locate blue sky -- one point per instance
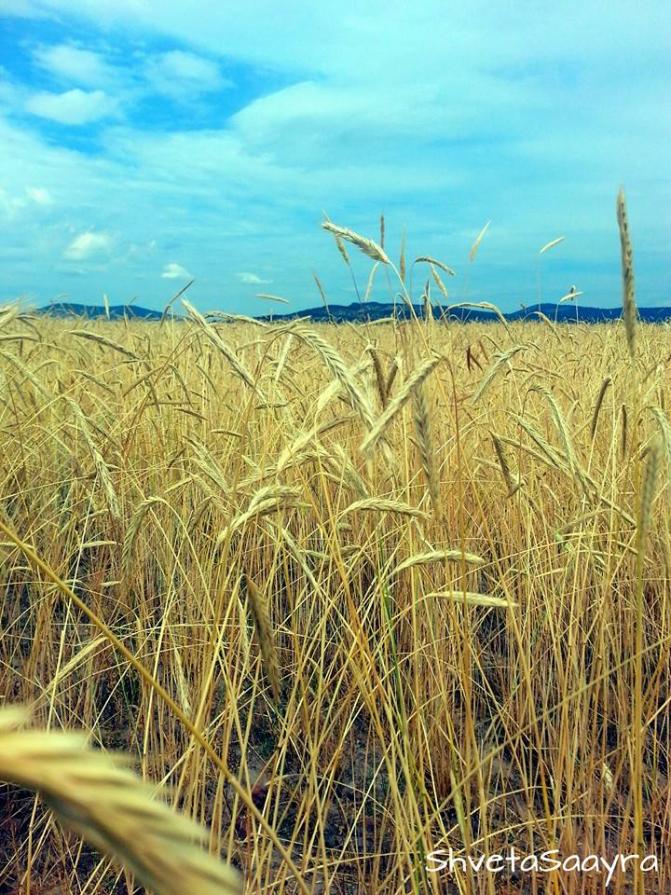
(145, 144)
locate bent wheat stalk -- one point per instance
(597, 407)
(338, 369)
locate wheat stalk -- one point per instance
(434, 262)
(133, 531)
(648, 492)
(501, 360)
(439, 283)
(267, 500)
(29, 374)
(8, 313)
(101, 466)
(478, 239)
(391, 376)
(551, 244)
(470, 598)
(269, 296)
(338, 368)
(371, 280)
(546, 320)
(486, 306)
(379, 375)
(512, 485)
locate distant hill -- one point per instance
(92, 312)
(564, 313)
(373, 310)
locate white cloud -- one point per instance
(181, 74)
(251, 279)
(70, 63)
(174, 271)
(86, 245)
(39, 195)
(72, 107)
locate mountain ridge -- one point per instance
(373, 310)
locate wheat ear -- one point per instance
(219, 343)
(103, 340)
(339, 369)
(367, 246)
(424, 431)
(415, 379)
(597, 407)
(379, 375)
(511, 484)
(264, 631)
(628, 292)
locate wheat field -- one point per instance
(347, 594)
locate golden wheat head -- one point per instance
(628, 291)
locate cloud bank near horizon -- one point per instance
(141, 150)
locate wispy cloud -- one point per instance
(251, 279)
(174, 271)
(87, 245)
(74, 65)
(73, 106)
(39, 195)
(184, 75)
